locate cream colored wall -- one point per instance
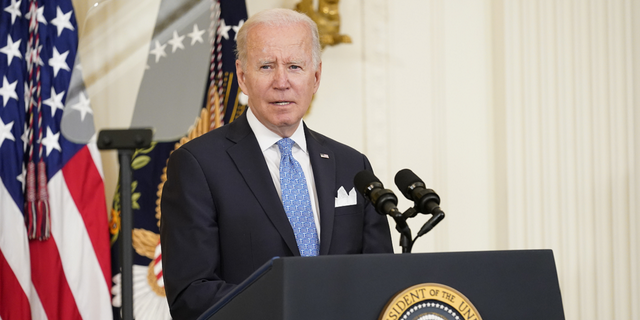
(114, 37)
(521, 114)
(414, 91)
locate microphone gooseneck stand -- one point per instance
(385, 201)
(405, 232)
(406, 242)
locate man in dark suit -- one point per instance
(235, 198)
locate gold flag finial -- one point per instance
(327, 18)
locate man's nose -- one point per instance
(281, 78)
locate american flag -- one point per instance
(54, 243)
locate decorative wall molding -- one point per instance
(571, 172)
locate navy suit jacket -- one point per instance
(222, 217)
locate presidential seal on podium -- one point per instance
(429, 301)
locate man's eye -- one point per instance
(295, 67)
(265, 67)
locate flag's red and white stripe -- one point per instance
(67, 276)
(15, 288)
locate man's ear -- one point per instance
(240, 74)
(318, 75)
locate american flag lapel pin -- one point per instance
(324, 155)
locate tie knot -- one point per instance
(285, 145)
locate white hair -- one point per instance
(277, 17)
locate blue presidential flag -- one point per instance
(190, 70)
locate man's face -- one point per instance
(279, 76)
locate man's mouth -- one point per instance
(282, 103)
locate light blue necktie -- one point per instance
(296, 201)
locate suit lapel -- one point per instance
(249, 160)
(324, 173)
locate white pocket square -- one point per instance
(346, 199)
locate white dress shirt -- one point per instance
(267, 140)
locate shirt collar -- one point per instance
(267, 138)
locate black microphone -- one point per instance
(371, 188)
(426, 200)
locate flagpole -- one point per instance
(126, 218)
(125, 141)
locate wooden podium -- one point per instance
(519, 284)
